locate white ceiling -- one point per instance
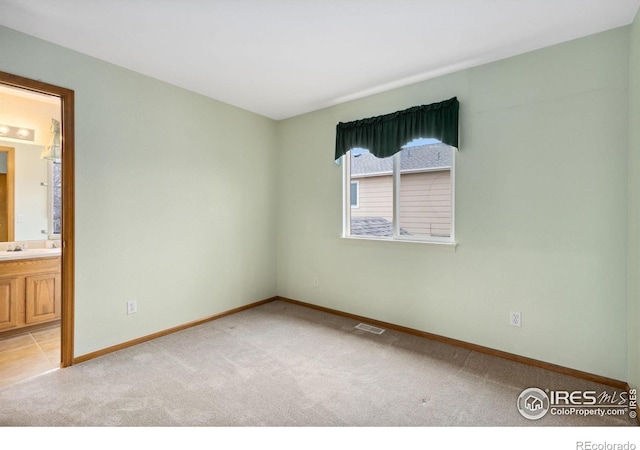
(281, 58)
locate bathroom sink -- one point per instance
(30, 253)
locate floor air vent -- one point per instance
(369, 328)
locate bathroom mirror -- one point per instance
(29, 185)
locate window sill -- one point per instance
(444, 244)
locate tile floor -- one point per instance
(29, 354)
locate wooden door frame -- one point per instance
(10, 151)
(66, 97)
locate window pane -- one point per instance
(374, 176)
(354, 194)
(425, 190)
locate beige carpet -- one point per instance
(286, 365)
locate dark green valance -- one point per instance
(385, 135)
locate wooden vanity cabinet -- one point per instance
(8, 303)
(30, 292)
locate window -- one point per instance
(399, 171)
(354, 194)
(406, 196)
(55, 199)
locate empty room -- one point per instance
(319, 214)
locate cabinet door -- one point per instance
(42, 297)
(8, 303)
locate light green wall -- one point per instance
(175, 196)
(634, 205)
(541, 211)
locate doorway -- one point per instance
(67, 228)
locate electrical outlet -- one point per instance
(316, 282)
(132, 307)
(515, 319)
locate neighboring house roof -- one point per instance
(419, 157)
(373, 226)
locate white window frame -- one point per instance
(346, 223)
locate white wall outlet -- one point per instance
(132, 307)
(316, 281)
(515, 319)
